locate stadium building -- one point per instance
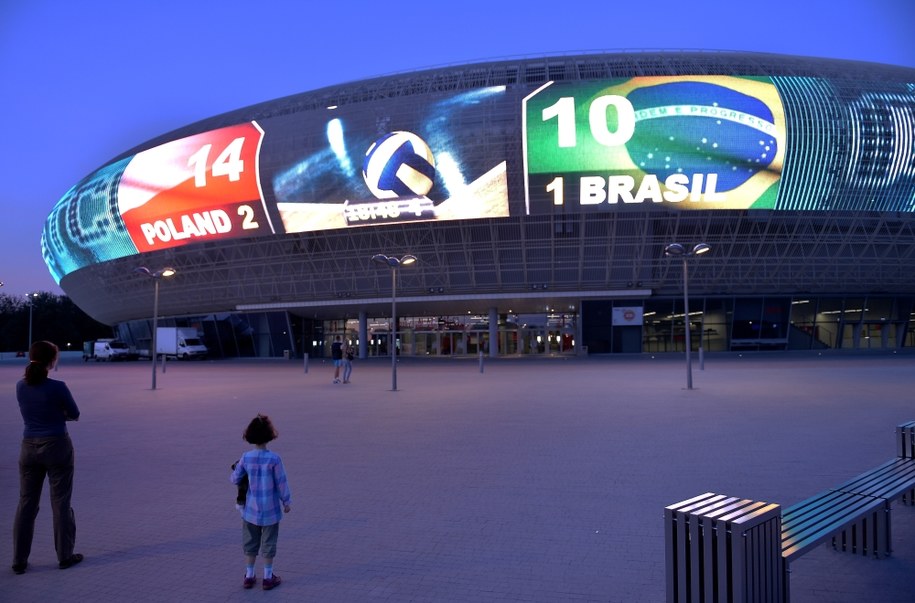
(540, 198)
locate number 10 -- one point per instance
(564, 111)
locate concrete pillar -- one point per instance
(579, 334)
(493, 332)
(363, 334)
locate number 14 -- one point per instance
(228, 163)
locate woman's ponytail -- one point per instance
(42, 356)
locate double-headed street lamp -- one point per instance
(393, 263)
(676, 250)
(156, 276)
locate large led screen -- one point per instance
(672, 142)
(203, 187)
(690, 142)
(359, 167)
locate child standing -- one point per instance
(267, 499)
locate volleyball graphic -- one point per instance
(698, 127)
(399, 164)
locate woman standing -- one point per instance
(46, 405)
(349, 353)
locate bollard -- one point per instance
(163, 363)
(701, 359)
(306, 362)
(481, 361)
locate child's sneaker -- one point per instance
(336, 381)
(249, 582)
(270, 583)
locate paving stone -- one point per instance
(538, 480)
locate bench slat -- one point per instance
(890, 480)
(825, 515)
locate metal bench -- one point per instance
(722, 548)
(888, 482)
(905, 448)
(905, 440)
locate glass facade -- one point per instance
(779, 323)
(717, 324)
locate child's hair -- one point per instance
(42, 355)
(260, 431)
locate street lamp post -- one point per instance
(31, 297)
(678, 250)
(156, 276)
(393, 263)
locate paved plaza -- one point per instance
(534, 480)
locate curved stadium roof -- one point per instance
(831, 211)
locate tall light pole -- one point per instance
(393, 263)
(156, 276)
(31, 297)
(677, 250)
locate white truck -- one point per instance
(106, 350)
(181, 343)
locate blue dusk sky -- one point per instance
(85, 81)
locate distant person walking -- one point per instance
(336, 354)
(349, 353)
(267, 499)
(47, 451)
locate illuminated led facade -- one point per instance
(538, 195)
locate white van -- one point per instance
(110, 349)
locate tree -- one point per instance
(53, 317)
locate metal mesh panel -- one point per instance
(785, 251)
